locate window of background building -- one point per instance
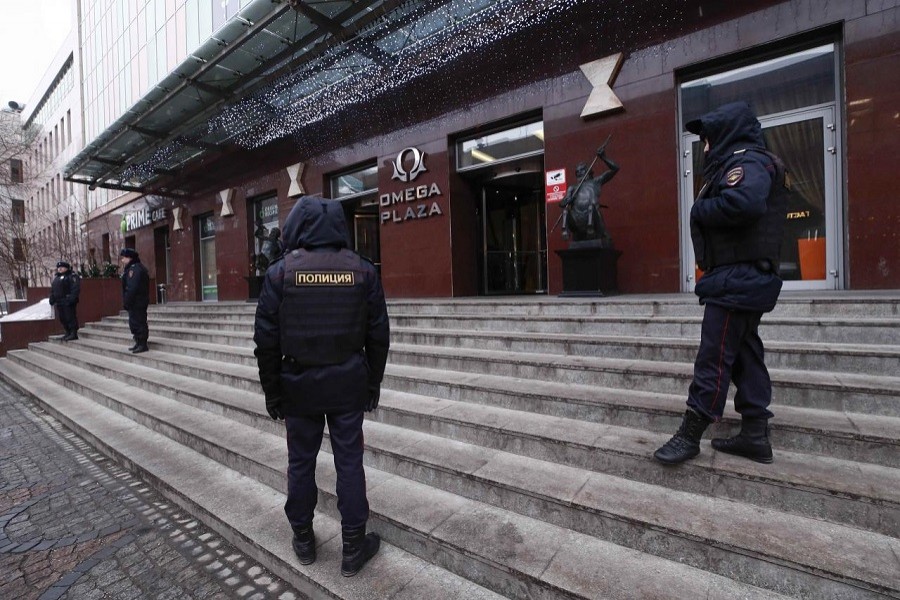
(18, 211)
(18, 249)
(16, 172)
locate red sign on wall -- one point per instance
(556, 185)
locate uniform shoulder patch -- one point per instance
(131, 273)
(734, 176)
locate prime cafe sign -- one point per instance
(414, 202)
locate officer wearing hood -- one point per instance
(322, 339)
(737, 223)
(64, 291)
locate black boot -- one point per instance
(71, 337)
(752, 442)
(685, 444)
(140, 347)
(358, 549)
(304, 544)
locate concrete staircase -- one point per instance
(511, 454)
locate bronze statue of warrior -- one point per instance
(581, 206)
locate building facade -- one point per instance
(449, 131)
(55, 210)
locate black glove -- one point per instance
(273, 407)
(601, 152)
(374, 396)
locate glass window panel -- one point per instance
(355, 182)
(789, 82)
(501, 145)
(192, 16)
(205, 10)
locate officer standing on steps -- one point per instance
(64, 291)
(322, 339)
(737, 224)
(135, 297)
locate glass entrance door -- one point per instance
(806, 141)
(514, 256)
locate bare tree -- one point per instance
(15, 143)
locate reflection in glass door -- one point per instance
(209, 289)
(806, 142)
(514, 256)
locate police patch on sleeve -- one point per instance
(734, 176)
(302, 278)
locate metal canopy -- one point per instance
(276, 66)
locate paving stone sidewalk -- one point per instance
(75, 525)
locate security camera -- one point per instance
(16, 106)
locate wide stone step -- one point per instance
(848, 436)
(802, 304)
(513, 554)
(859, 494)
(836, 330)
(878, 395)
(835, 391)
(246, 512)
(874, 359)
(241, 338)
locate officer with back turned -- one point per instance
(64, 291)
(322, 338)
(737, 223)
(135, 297)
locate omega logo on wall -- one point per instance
(416, 198)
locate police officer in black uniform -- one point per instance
(136, 297)
(322, 339)
(737, 224)
(64, 291)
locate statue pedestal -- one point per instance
(589, 270)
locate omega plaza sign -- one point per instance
(412, 203)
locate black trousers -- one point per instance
(137, 323)
(304, 438)
(67, 317)
(730, 350)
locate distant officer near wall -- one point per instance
(737, 224)
(64, 291)
(322, 339)
(135, 297)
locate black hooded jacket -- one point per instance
(135, 285)
(735, 212)
(315, 233)
(65, 289)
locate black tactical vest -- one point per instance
(758, 242)
(323, 313)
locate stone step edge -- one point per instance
(681, 343)
(264, 537)
(783, 378)
(685, 570)
(796, 416)
(206, 441)
(592, 396)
